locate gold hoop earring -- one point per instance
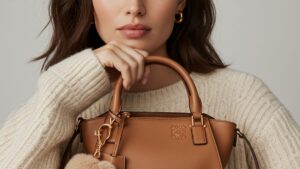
(180, 17)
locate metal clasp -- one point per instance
(239, 133)
(97, 133)
(202, 121)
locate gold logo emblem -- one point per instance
(178, 131)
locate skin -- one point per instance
(127, 55)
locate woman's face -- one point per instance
(158, 15)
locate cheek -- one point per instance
(160, 16)
(162, 20)
(104, 11)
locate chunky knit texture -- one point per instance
(35, 134)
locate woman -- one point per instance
(92, 38)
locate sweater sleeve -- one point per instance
(34, 135)
(269, 126)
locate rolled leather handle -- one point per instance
(195, 103)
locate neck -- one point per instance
(160, 75)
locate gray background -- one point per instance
(259, 37)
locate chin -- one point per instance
(137, 44)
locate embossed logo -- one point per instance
(178, 131)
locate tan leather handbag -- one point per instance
(159, 140)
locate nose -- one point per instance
(136, 8)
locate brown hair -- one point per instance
(189, 43)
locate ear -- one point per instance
(181, 5)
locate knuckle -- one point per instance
(113, 42)
(107, 51)
(110, 47)
(140, 60)
(134, 65)
(146, 53)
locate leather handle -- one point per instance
(195, 103)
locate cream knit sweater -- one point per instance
(35, 134)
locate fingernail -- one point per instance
(144, 81)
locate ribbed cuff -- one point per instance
(85, 76)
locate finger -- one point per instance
(137, 54)
(122, 66)
(143, 52)
(146, 71)
(146, 74)
(133, 65)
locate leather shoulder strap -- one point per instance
(242, 135)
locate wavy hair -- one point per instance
(189, 44)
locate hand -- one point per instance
(119, 58)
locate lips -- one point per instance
(134, 31)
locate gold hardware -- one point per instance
(180, 19)
(78, 123)
(239, 133)
(101, 143)
(202, 123)
(126, 114)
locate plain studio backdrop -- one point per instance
(259, 37)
